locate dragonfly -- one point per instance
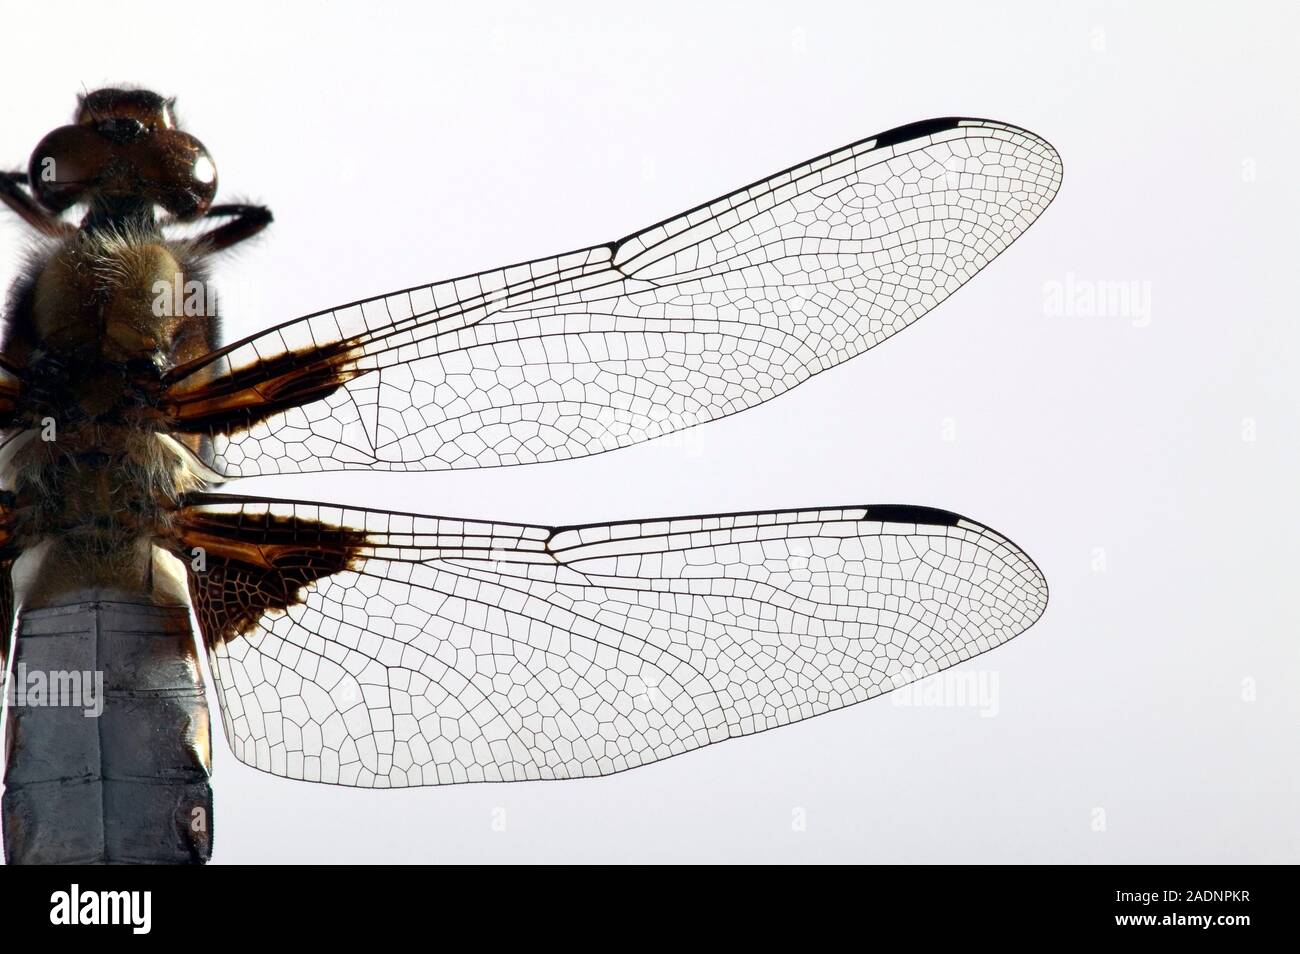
(360, 647)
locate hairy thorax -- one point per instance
(93, 478)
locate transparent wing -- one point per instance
(459, 651)
(701, 316)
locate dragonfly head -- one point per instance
(123, 152)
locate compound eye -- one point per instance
(65, 165)
(121, 158)
(121, 129)
(147, 108)
(184, 179)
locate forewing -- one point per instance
(701, 316)
(460, 651)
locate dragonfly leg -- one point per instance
(14, 194)
(245, 222)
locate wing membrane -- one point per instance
(459, 651)
(695, 318)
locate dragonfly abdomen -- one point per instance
(109, 749)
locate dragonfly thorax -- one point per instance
(94, 479)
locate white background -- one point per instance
(1156, 700)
